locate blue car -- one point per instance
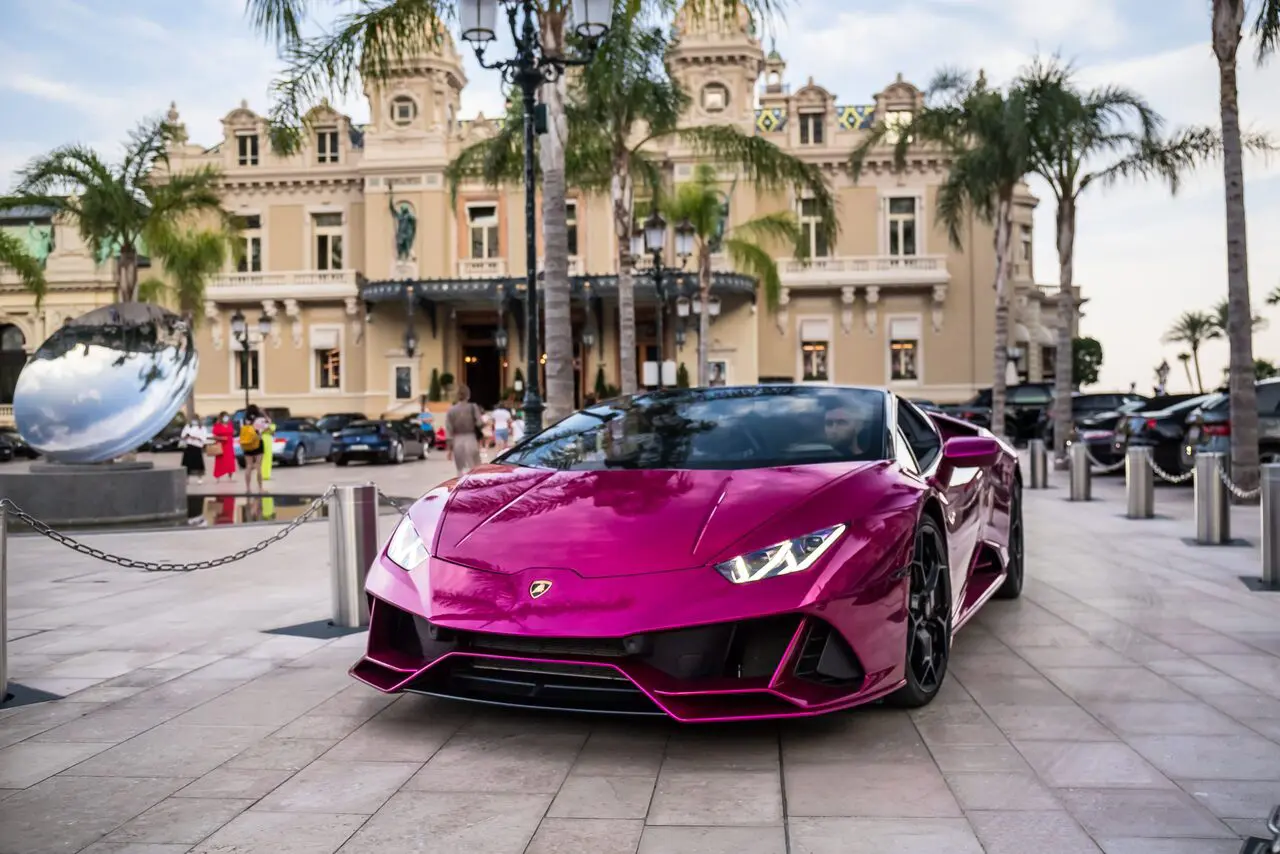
(297, 440)
(381, 441)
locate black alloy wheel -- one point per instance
(1012, 586)
(928, 618)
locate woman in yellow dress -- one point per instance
(268, 446)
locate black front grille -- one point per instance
(825, 658)
(536, 684)
(549, 647)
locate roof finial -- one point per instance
(172, 115)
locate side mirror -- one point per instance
(963, 452)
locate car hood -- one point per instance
(610, 523)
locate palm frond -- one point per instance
(14, 256)
(1191, 328)
(278, 20)
(1184, 151)
(155, 290)
(368, 43)
(1273, 298)
(781, 226)
(766, 165)
(496, 160)
(1266, 28)
(754, 260)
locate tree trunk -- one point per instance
(1228, 16)
(1063, 361)
(1195, 358)
(1004, 227)
(127, 274)
(704, 313)
(622, 192)
(555, 236)
(1186, 365)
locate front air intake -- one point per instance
(826, 659)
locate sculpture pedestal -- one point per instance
(80, 495)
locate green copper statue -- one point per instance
(406, 225)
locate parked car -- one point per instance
(298, 440)
(380, 440)
(1024, 410)
(7, 450)
(1162, 430)
(426, 421)
(17, 443)
(333, 422)
(168, 437)
(1209, 427)
(1094, 416)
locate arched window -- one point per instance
(11, 338)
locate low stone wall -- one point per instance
(104, 494)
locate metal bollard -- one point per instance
(1039, 464)
(1139, 484)
(1271, 526)
(4, 605)
(1081, 473)
(353, 543)
(1213, 505)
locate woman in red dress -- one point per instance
(225, 464)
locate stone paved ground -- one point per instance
(1129, 703)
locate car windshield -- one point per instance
(721, 428)
(361, 428)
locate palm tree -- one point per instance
(1192, 328)
(1220, 316)
(191, 258)
(30, 272)
(1185, 359)
(119, 208)
(1228, 20)
(1273, 298)
(623, 105)
(987, 135)
(697, 203)
(1082, 138)
(372, 41)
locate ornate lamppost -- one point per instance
(240, 331)
(653, 240)
(529, 69)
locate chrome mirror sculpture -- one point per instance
(105, 383)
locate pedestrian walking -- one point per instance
(501, 425)
(267, 428)
(462, 427)
(225, 463)
(251, 446)
(194, 438)
(517, 427)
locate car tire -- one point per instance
(928, 638)
(1012, 586)
(300, 456)
(396, 455)
(340, 460)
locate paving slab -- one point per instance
(1129, 703)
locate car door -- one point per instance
(966, 507)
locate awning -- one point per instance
(1048, 337)
(503, 288)
(1020, 334)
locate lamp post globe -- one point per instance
(684, 239)
(591, 18)
(264, 325)
(479, 19)
(655, 234)
(237, 324)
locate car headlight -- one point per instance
(405, 548)
(788, 556)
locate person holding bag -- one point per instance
(224, 434)
(193, 439)
(463, 431)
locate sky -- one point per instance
(87, 71)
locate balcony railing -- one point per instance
(480, 268)
(285, 284)
(865, 270)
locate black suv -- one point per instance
(1024, 408)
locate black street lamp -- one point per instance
(655, 241)
(240, 331)
(529, 69)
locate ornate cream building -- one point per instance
(353, 327)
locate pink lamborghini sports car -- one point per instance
(710, 554)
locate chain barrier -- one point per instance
(75, 545)
(1164, 475)
(162, 566)
(1099, 467)
(1242, 494)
